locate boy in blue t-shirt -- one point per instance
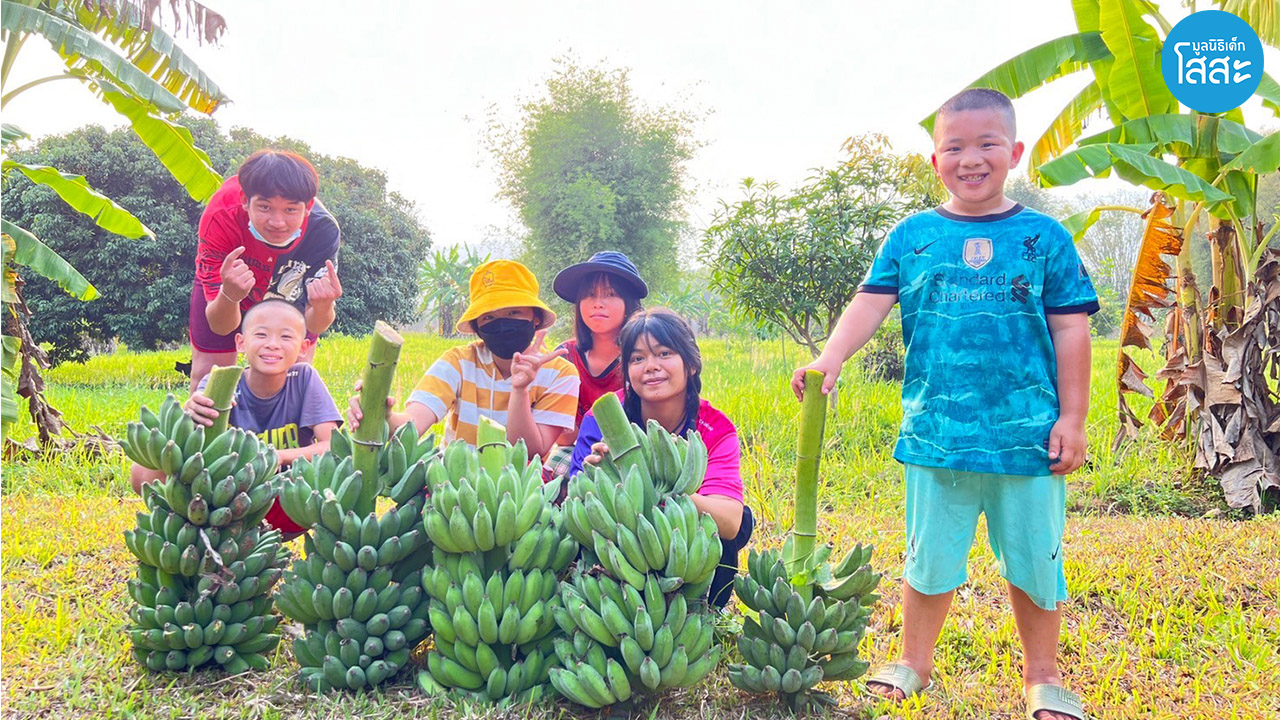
(282, 401)
(995, 305)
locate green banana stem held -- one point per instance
(615, 428)
(220, 389)
(813, 420)
(375, 386)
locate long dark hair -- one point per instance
(630, 304)
(670, 330)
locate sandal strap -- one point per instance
(1053, 698)
(899, 676)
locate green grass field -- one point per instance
(1172, 616)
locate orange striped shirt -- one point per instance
(464, 385)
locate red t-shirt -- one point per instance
(591, 387)
(278, 272)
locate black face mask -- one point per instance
(506, 336)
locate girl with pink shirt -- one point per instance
(662, 379)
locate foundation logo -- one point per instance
(1212, 61)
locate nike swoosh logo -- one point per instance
(1054, 556)
(924, 247)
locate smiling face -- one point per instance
(276, 218)
(601, 307)
(655, 371)
(973, 153)
(272, 336)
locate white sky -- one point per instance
(406, 86)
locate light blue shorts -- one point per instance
(1025, 518)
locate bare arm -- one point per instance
(1071, 349)
(538, 439)
(223, 312)
(726, 511)
(857, 324)
(420, 415)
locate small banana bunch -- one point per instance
(621, 640)
(794, 644)
(499, 549)
(358, 591)
(481, 626)
(203, 588)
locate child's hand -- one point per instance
(830, 370)
(597, 454)
(326, 288)
(201, 409)
(1066, 446)
(353, 409)
(525, 366)
(237, 278)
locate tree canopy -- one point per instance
(589, 168)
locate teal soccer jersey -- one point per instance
(980, 387)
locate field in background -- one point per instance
(1172, 616)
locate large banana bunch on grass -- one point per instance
(206, 567)
(809, 617)
(634, 615)
(494, 587)
(358, 591)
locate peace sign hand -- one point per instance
(525, 365)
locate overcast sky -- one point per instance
(406, 86)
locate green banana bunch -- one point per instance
(621, 641)
(206, 568)
(358, 590)
(493, 587)
(792, 645)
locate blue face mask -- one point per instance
(254, 231)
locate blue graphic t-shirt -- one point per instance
(980, 387)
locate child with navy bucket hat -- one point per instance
(605, 292)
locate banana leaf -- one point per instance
(75, 190)
(30, 252)
(83, 52)
(1065, 129)
(1149, 291)
(1262, 15)
(10, 133)
(1132, 163)
(1269, 91)
(1135, 83)
(1044, 63)
(172, 143)
(152, 51)
(1189, 135)
(1262, 157)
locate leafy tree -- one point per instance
(590, 169)
(146, 283)
(1197, 164)
(795, 260)
(116, 48)
(444, 282)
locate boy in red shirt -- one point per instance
(263, 235)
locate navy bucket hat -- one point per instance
(569, 281)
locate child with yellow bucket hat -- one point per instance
(501, 375)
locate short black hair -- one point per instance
(672, 331)
(982, 99)
(630, 303)
(270, 303)
(278, 173)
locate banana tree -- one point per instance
(443, 280)
(1198, 166)
(116, 49)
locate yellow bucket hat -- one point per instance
(501, 284)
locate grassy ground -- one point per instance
(1172, 616)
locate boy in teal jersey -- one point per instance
(995, 305)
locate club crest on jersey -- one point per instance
(977, 252)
